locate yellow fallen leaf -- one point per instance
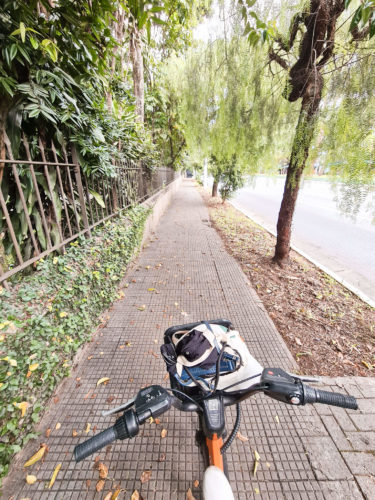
(150, 289)
(256, 491)
(74, 433)
(63, 314)
(12, 362)
(103, 380)
(33, 367)
(163, 433)
(277, 419)
(48, 432)
(30, 479)
(257, 458)
(151, 420)
(54, 475)
(367, 365)
(22, 406)
(135, 495)
(141, 308)
(88, 427)
(116, 494)
(255, 468)
(108, 496)
(58, 426)
(38, 455)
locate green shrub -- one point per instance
(49, 315)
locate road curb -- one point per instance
(325, 269)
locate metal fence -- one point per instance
(47, 203)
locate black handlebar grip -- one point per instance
(94, 444)
(312, 395)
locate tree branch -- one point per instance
(275, 57)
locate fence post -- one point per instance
(77, 173)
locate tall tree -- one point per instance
(316, 47)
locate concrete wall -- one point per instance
(159, 203)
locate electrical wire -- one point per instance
(233, 434)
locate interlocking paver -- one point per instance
(194, 278)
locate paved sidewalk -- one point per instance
(304, 454)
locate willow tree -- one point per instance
(228, 105)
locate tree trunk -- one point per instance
(137, 64)
(214, 188)
(300, 151)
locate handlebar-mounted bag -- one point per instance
(193, 356)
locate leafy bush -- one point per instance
(50, 315)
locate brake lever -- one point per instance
(302, 378)
(124, 406)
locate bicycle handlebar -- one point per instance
(154, 400)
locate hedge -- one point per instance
(48, 315)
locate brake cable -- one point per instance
(233, 434)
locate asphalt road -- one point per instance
(344, 246)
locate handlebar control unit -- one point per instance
(150, 402)
(279, 385)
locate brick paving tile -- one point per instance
(194, 278)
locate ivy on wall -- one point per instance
(50, 315)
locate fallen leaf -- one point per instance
(145, 476)
(89, 357)
(162, 458)
(108, 496)
(157, 421)
(268, 464)
(241, 437)
(367, 365)
(151, 420)
(163, 433)
(153, 354)
(88, 483)
(141, 308)
(103, 470)
(74, 433)
(88, 394)
(88, 427)
(63, 314)
(189, 495)
(196, 483)
(38, 455)
(103, 380)
(54, 475)
(121, 346)
(33, 367)
(48, 432)
(150, 289)
(256, 491)
(277, 419)
(257, 459)
(298, 342)
(100, 485)
(135, 495)
(58, 426)
(110, 399)
(116, 494)
(22, 406)
(30, 479)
